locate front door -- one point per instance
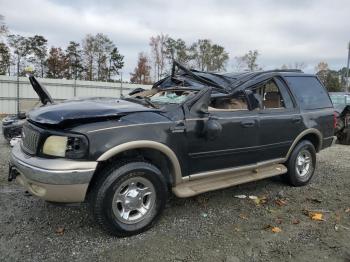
(234, 146)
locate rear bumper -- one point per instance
(57, 180)
(334, 140)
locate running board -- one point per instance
(214, 182)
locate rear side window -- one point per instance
(309, 92)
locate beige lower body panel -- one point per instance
(214, 182)
(55, 193)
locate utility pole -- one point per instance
(18, 63)
(347, 71)
(121, 85)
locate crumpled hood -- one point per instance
(84, 109)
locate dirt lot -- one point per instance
(212, 227)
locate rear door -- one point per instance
(280, 119)
(315, 104)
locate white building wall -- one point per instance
(59, 89)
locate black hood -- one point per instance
(44, 96)
(84, 110)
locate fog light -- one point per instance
(37, 190)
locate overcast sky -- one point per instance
(283, 31)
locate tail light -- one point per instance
(335, 120)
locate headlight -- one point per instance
(66, 146)
(55, 146)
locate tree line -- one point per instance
(96, 57)
(203, 55)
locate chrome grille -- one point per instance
(30, 140)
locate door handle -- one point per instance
(296, 119)
(179, 128)
(248, 123)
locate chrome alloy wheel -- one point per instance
(303, 163)
(133, 200)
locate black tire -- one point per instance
(344, 137)
(105, 190)
(293, 176)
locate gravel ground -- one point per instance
(215, 226)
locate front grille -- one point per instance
(30, 140)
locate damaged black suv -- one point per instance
(191, 133)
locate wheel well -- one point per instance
(153, 156)
(314, 139)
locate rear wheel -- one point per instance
(128, 199)
(301, 164)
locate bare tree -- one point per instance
(21, 48)
(56, 63)
(89, 50)
(177, 50)
(249, 60)
(38, 45)
(322, 71)
(142, 71)
(208, 56)
(115, 63)
(3, 27)
(74, 61)
(158, 46)
(5, 56)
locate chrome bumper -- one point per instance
(57, 180)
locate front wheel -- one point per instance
(128, 199)
(301, 164)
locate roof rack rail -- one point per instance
(282, 70)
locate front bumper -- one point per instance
(57, 180)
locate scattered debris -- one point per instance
(295, 221)
(276, 229)
(259, 200)
(273, 228)
(243, 216)
(240, 196)
(205, 215)
(279, 221)
(280, 202)
(338, 226)
(315, 200)
(316, 216)
(347, 210)
(203, 201)
(60, 230)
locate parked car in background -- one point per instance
(193, 132)
(12, 126)
(341, 102)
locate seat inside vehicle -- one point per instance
(272, 100)
(228, 104)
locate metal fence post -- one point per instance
(18, 94)
(121, 84)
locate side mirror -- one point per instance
(212, 128)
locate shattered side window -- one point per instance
(171, 97)
(229, 103)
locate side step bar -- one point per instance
(198, 186)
